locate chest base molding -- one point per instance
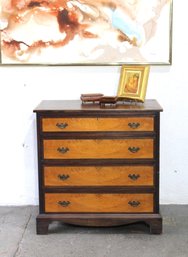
(153, 221)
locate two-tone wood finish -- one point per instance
(97, 124)
(62, 176)
(98, 166)
(98, 148)
(110, 203)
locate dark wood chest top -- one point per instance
(76, 105)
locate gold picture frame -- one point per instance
(133, 82)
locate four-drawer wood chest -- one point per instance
(98, 166)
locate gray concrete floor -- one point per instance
(18, 237)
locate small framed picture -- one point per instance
(133, 82)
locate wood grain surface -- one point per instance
(98, 124)
(98, 202)
(98, 149)
(99, 176)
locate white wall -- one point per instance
(22, 88)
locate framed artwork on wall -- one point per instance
(133, 83)
(86, 32)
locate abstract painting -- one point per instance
(85, 32)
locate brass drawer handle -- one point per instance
(134, 176)
(134, 125)
(64, 203)
(62, 149)
(134, 203)
(61, 125)
(63, 176)
(134, 149)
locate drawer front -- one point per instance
(98, 124)
(99, 176)
(98, 149)
(68, 202)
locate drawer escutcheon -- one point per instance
(134, 176)
(134, 125)
(134, 149)
(63, 176)
(62, 149)
(61, 125)
(134, 203)
(64, 203)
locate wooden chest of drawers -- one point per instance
(98, 166)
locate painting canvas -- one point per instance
(85, 32)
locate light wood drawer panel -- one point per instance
(98, 149)
(99, 176)
(98, 124)
(67, 202)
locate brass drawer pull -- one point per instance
(134, 125)
(61, 125)
(134, 176)
(134, 149)
(134, 203)
(63, 176)
(64, 203)
(62, 149)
